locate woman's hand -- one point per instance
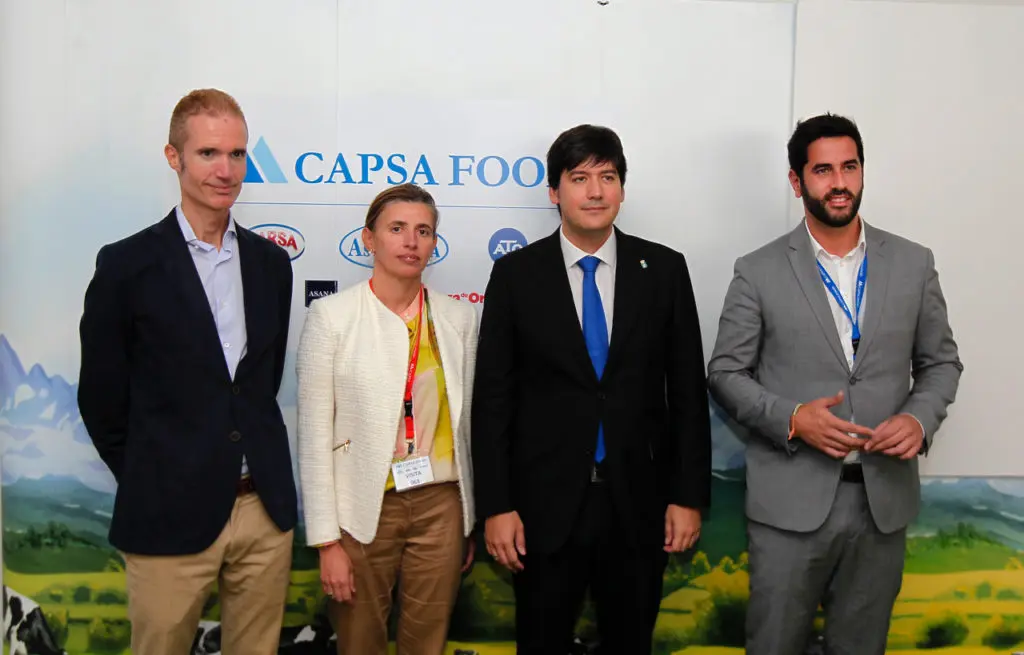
(467, 564)
(336, 573)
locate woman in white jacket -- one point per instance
(385, 374)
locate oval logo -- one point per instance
(283, 235)
(353, 250)
(505, 241)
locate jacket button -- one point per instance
(601, 396)
(235, 436)
(236, 389)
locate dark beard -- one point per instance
(817, 208)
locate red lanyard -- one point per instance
(414, 358)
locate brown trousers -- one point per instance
(419, 545)
(250, 561)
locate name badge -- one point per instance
(412, 473)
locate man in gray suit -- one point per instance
(815, 355)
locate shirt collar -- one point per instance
(818, 250)
(230, 235)
(571, 254)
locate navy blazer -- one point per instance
(157, 398)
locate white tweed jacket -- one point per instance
(352, 366)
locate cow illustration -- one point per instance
(317, 639)
(25, 627)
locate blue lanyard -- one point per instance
(862, 278)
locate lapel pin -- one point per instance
(643, 263)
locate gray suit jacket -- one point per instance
(778, 345)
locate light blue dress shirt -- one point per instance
(220, 272)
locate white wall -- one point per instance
(938, 92)
(699, 91)
(702, 92)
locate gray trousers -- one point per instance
(847, 566)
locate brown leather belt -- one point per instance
(852, 473)
(245, 486)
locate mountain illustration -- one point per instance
(34, 397)
(51, 471)
(945, 502)
(727, 441)
(61, 499)
(11, 372)
(41, 431)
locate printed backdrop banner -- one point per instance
(342, 100)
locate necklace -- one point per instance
(409, 312)
(412, 310)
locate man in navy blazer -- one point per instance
(183, 345)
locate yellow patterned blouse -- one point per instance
(431, 418)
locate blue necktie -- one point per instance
(595, 331)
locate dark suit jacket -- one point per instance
(537, 400)
(159, 403)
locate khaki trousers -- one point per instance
(250, 561)
(419, 545)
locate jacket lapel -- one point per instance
(879, 267)
(805, 268)
(629, 293)
(196, 314)
(561, 308)
(449, 342)
(259, 304)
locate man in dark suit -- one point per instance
(591, 435)
(183, 346)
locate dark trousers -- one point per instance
(625, 583)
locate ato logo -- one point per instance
(352, 249)
(287, 237)
(505, 241)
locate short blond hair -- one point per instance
(213, 102)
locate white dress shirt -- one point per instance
(604, 275)
(843, 271)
